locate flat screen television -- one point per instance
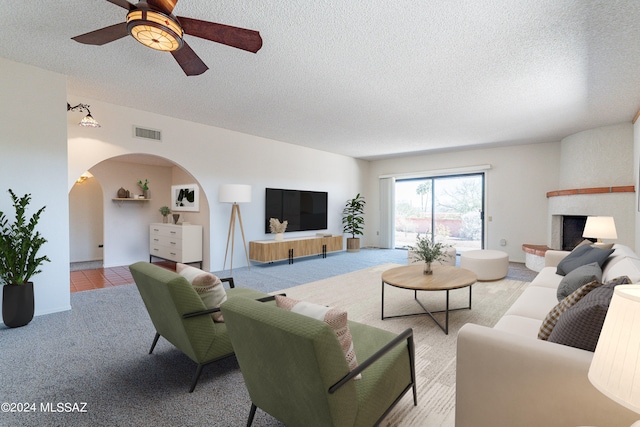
(304, 210)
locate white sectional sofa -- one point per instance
(508, 377)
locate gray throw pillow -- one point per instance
(580, 256)
(581, 324)
(577, 278)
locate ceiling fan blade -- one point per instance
(190, 63)
(103, 35)
(164, 5)
(123, 3)
(240, 38)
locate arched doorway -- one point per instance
(123, 226)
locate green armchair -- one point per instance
(295, 370)
(179, 315)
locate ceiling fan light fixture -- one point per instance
(155, 29)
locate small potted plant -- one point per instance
(353, 222)
(19, 246)
(165, 211)
(429, 251)
(144, 186)
(278, 228)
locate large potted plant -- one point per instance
(429, 251)
(19, 246)
(353, 222)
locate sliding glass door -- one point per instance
(448, 208)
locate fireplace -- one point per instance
(572, 228)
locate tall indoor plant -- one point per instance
(353, 222)
(19, 246)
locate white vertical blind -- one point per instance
(387, 212)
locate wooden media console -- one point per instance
(278, 250)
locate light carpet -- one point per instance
(359, 293)
(97, 353)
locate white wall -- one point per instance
(126, 223)
(215, 156)
(86, 221)
(516, 187)
(33, 143)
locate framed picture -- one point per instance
(185, 197)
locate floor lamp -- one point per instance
(234, 193)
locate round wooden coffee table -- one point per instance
(444, 278)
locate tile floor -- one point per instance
(98, 278)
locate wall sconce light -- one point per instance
(85, 176)
(88, 120)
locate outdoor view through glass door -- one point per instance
(452, 206)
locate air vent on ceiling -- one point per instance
(139, 132)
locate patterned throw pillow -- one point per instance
(208, 286)
(580, 325)
(553, 316)
(334, 317)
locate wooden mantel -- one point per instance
(592, 190)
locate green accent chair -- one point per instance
(295, 370)
(180, 316)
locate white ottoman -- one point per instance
(487, 264)
(449, 260)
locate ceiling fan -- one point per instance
(152, 23)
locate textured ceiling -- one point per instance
(363, 79)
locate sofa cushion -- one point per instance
(547, 278)
(552, 318)
(582, 255)
(518, 325)
(629, 267)
(334, 317)
(535, 302)
(577, 278)
(208, 286)
(580, 325)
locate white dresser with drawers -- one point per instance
(179, 243)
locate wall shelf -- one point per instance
(128, 199)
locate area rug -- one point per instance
(96, 357)
(359, 293)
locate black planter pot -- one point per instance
(17, 304)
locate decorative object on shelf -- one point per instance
(353, 222)
(165, 211)
(88, 120)
(176, 217)
(615, 365)
(122, 193)
(19, 245)
(278, 228)
(144, 186)
(234, 193)
(428, 251)
(185, 197)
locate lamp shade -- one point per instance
(600, 227)
(234, 193)
(615, 367)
